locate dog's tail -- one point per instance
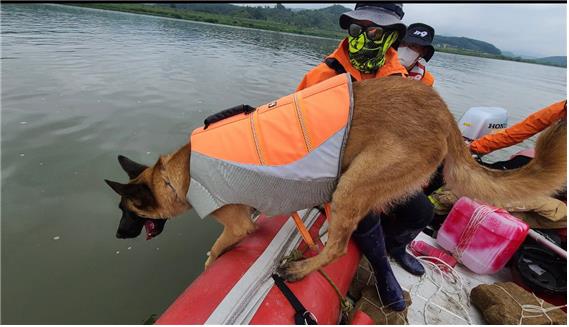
(544, 175)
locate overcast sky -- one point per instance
(528, 29)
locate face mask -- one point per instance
(368, 55)
(407, 57)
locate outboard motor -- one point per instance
(479, 121)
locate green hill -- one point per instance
(318, 22)
(324, 19)
(453, 42)
(556, 61)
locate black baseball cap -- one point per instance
(423, 35)
(386, 15)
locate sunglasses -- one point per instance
(374, 33)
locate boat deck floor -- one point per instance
(431, 305)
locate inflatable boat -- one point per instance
(238, 287)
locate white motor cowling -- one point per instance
(479, 121)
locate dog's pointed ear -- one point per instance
(160, 164)
(121, 189)
(132, 168)
(140, 194)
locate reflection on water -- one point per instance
(81, 86)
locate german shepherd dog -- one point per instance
(401, 132)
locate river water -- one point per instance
(80, 86)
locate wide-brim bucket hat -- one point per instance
(385, 15)
(422, 35)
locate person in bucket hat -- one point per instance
(385, 15)
(374, 32)
(416, 50)
(369, 51)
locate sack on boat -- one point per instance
(543, 212)
(537, 221)
(363, 291)
(371, 305)
(509, 304)
(364, 277)
(547, 207)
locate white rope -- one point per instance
(532, 308)
(478, 217)
(450, 284)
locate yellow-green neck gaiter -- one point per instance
(367, 55)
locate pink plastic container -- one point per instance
(481, 237)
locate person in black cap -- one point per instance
(404, 222)
(374, 32)
(416, 50)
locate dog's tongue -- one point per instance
(150, 228)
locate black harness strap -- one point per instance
(335, 65)
(243, 108)
(302, 316)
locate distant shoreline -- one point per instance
(220, 19)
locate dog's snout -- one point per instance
(120, 234)
(126, 234)
(130, 225)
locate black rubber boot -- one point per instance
(369, 238)
(403, 223)
(407, 261)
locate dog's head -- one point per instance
(143, 199)
(131, 225)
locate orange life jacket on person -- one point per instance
(428, 79)
(515, 134)
(339, 62)
(282, 157)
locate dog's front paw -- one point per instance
(209, 261)
(292, 271)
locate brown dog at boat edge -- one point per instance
(401, 131)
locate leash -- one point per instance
(345, 304)
(304, 231)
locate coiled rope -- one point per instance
(449, 284)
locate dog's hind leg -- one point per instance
(346, 213)
(237, 224)
(368, 183)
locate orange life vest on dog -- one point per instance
(284, 156)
